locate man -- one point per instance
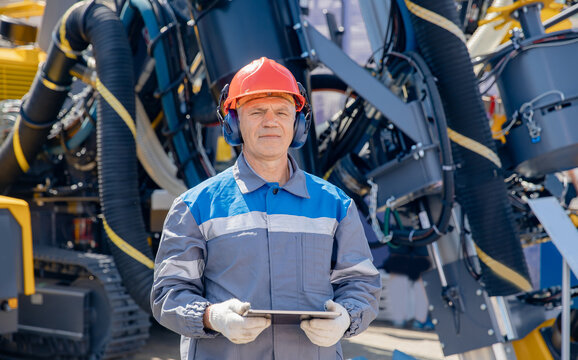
(263, 234)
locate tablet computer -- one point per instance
(291, 316)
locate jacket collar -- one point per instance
(248, 180)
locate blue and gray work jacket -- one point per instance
(288, 247)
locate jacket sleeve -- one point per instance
(176, 297)
(356, 282)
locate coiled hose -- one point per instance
(83, 24)
(480, 187)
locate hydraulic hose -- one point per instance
(480, 188)
(98, 25)
(424, 237)
(83, 24)
(38, 113)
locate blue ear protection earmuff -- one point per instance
(302, 121)
(230, 122)
(232, 131)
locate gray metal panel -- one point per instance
(10, 256)
(375, 15)
(55, 309)
(8, 322)
(558, 146)
(525, 317)
(408, 178)
(476, 327)
(559, 226)
(368, 87)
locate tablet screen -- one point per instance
(291, 316)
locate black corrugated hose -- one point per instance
(480, 185)
(118, 176)
(92, 23)
(38, 113)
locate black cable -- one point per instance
(508, 53)
(386, 47)
(327, 159)
(203, 13)
(357, 127)
(467, 261)
(339, 146)
(497, 71)
(178, 73)
(423, 237)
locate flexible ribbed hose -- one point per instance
(98, 25)
(480, 185)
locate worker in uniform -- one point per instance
(263, 234)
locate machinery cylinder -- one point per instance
(230, 37)
(540, 85)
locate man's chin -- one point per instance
(272, 154)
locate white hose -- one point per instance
(153, 157)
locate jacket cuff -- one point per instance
(354, 312)
(195, 321)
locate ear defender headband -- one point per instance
(232, 131)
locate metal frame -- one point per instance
(565, 236)
(406, 116)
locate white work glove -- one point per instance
(327, 332)
(226, 318)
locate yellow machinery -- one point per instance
(16, 263)
(19, 57)
(533, 345)
(19, 60)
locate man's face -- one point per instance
(267, 127)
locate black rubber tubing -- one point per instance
(480, 187)
(38, 112)
(424, 237)
(116, 148)
(95, 24)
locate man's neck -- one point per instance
(276, 170)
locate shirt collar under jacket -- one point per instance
(248, 180)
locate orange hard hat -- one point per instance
(263, 76)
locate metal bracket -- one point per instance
(399, 113)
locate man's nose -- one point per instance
(269, 118)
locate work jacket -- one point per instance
(289, 247)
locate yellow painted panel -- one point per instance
(13, 303)
(21, 212)
(533, 345)
(18, 67)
